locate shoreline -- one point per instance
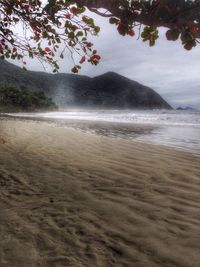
(78, 199)
(136, 132)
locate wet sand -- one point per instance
(69, 198)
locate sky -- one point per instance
(167, 68)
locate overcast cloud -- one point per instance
(169, 69)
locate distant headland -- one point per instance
(109, 90)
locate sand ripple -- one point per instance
(73, 199)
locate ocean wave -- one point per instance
(177, 118)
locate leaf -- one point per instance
(97, 29)
(82, 60)
(79, 34)
(71, 35)
(131, 33)
(47, 49)
(113, 20)
(74, 69)
(80, 10)
(172, 35)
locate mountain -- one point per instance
(109, 90)
(185, 108)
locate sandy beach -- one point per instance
(69, 198)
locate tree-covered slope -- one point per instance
(14, 99)
(106, 91)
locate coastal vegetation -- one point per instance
(16, 99)
(51, 27)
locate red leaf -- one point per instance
(73, 10)
(82, 60)
(47, 49)
(67, 16)
(194, 29)
(89, 44)
(131, 33)
(97, 57)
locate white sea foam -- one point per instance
(148, 117)
(180, 129)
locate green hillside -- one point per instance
(109, 90)
(15, 99)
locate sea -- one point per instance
(174, 128)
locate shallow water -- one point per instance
(179, 129)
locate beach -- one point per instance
(74, 198)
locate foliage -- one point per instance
(13, 98)
(65, 24)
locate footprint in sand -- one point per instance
(2, 141)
